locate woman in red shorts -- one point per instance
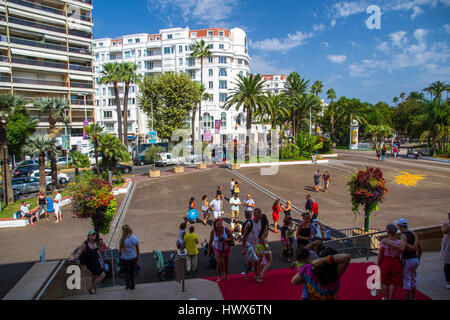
(221, 236)
(276, 214)
(390, 263)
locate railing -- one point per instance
(40, 82)
(81, 102)
(4, 58)
(80, 34)
(5, 79)
(79, 68)
(37, 6)
(39, 63)
(33, 43)
(2, 17)
(80, 51)
(81, 85)
(86, 1)
(36, 25)
(79, 16)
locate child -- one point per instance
(191, 241)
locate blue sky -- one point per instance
(320, 39)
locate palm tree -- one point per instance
(402, 96)
(56, 109)
(275, 111)
(79, 160)
(436, 89)
(301, 105)
(349, 110)
(332, 112)
(9, 103)
(203, 97)
(331, 94)
(316, 88)
(378, 134)
(414, 95)
(94, 131)
(249, 94)
(128, 75)
(113, 151)
(295, 85)
(111, 74)
(200, 50)
(395, 100)
(38, 144)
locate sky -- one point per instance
(357, 52)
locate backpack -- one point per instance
(83, 256)
(250, 228)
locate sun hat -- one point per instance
(315, 220)
(402, 222)
(92, 232)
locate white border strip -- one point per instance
(285, 163)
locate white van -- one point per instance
(167, 159)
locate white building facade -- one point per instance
(274, 82)
(170, 51)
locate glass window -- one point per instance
(107, 114)
(180, 48)
(211, 85)
(109, 127)
(210, 33)
(222, 60)
(222, 85)
(167, 50)
(208, 121)
(223, 120)
(220, 33)
(137, 40)
(222, 97)
(210, 59)
(169, 36)
(222, 72)
(180, 61)
(240, 119)
(211, 46)
(239, 61)
(221, 46)
(210, 72)
(130, 40)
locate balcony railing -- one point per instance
(40, 63)
(37, 6)
(4, 59)
(79, 16)
(5, 79)
(81, 34)
(79, 68)
(81, 85)
(2, 17)
(86, 1)
(38, 44)
(36, 25)
(80, 51)
(40, 82)
(78, 102)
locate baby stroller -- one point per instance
(166, 268)
(212, 261)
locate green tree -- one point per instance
(331, 113)
(395, 100)
(307, 144)
(294, 86)
(56, 109)
(248, 94)
(302, 104)
(128, 76)
(378, 134)
(349, 110)
(152, 153)
(436, 89)
(9, 103)
(275, 111)
(414, 95)
(113, 152)
(171, 96)
(331, 94)
(200, 50)
(79, 160)
(94, 130)
(317, 87)
(112, 74)
(40, 145)
(402, 96)
(19, 127)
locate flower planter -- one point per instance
(202, 166)
(235, 166)
(178, 170)
(154, 173)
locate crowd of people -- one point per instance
(42, 209)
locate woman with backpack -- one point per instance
(91, 257)
(129, 255)
(222, 238)
(181, 234)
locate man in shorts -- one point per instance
(216, 207)
(235, 202)
(249, 242)
(25, 212)
(57, 206)
(249, 204)
(317, 180)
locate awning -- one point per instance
(29, 53)
(80, 27)
(35, 16)
(5, 70)
(78, 77)
(131, 138)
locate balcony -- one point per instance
(32, 62)
(5, 79)
(80, 68)
(4, 59)
(38, 44)
(80, 51)
(86, 1)
(81, 85)
(81, 34)
(40, 82)
(37, 6)
(78, 102)
(79, 17)
(36, 25)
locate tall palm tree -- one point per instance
(275, 111)
(94, 131)
(331, 94)
(402, 96)
(38, 144)
(436, 89)
(332, 112)
(203, 97)
(395, 100)
(56, 109)
(9, 103)
(414, 95)
(302, 105)
(248, 94)
(378, 134)
(128, 75)
(200, 50)
(295, 85)
(113, 151)
(111, 74)
(316, 88)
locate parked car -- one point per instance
(26, 163)
(167, 159)
(62, 177)
(124, 168)
(140, 160)
(26, 185)
(62, 161)
(24, 171)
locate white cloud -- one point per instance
(383, 47)
(335, 58)
(398, 38)
(447, 28)
(205, 12)
(416, 12)
(325, 44)
(264, 65)
(420, 34)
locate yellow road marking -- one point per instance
(408, 179)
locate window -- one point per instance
(223, 120)
(190, 62)
(95, 45)
(109, 127)
(103, 57)
(167, 50)
(208, 121)
(137, 40)
(131, 88)
(149, 65)
(131, 101)
(210, 59)
(104, 91)
(241, 73)
(127, 54)
(210, 72)
(222, 72)
(180, 48)
(222, 85)
(130, 40)
(100, 44)
(222, 60)
(111, 102)
(210, 33)
(113, 57)
(107, 114)
(111, 91)
(130, 128)
(128, 113)
(169, 36)
(222, 97)
(221, 46)
(139, 53)
(180, 61)
(191, 73)
(186, 48)
(239, 61)
(211, 85)
(139, 65)
(220, 33)
(97, 103)
(158, 38)
(211, 46)
(194, 34)
(240, 119)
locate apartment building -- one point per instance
(46, 51)
(274, 82)
(170, 51)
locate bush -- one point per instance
(327, 145)
(290, 151)
(152, 153)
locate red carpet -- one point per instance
(277, 286)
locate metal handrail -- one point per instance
(52, 277)
(353, 237)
